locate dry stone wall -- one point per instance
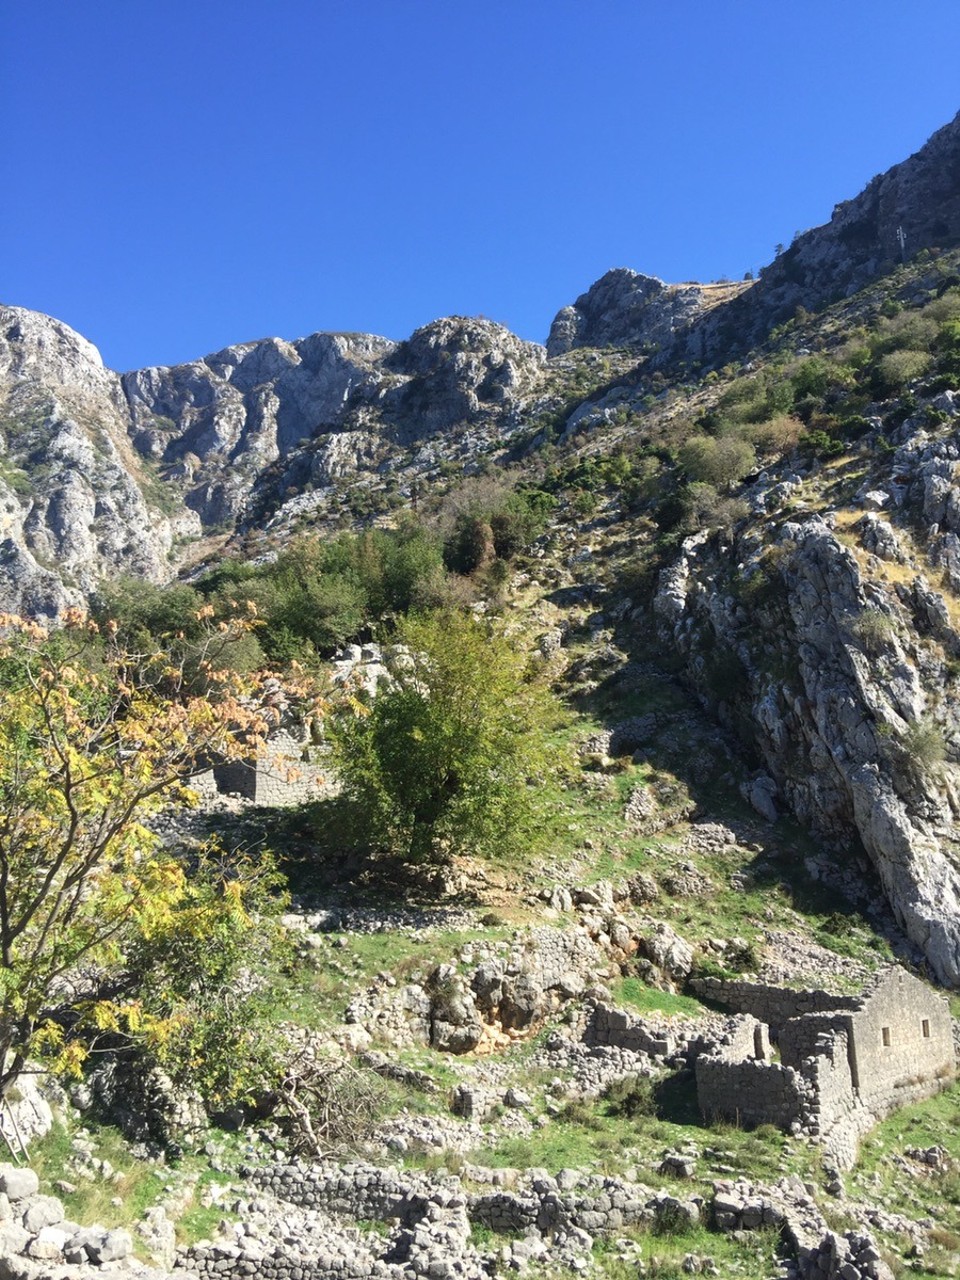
(772, 1005)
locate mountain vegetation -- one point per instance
(598, 680)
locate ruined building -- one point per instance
(829, 1065)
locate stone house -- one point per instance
(829, 1065)
(284, 770)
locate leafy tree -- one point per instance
(92, 741)
(719, 462)
(471, 544)
(198, 970)
(439, 763)
(484, 518)
(898, 368)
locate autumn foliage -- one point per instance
(94, 740)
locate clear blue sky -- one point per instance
(178, 175)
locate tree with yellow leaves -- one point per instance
(93, 741)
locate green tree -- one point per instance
(93, 740)
(720, 462)
(438, 763)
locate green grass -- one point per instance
(646, 999)
(200, 1222)
(753, 1256)
(137, 1185)
(317, 989)
(886, 1175)
(598, 1136)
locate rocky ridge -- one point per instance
(919, 197)
(625, 308)
(106, 473)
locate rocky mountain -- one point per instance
(741, 568)
(103, 474)
(76, 504)
(624, 308)
(919, 198)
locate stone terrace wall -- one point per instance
(772, 1005)
(356, 1190)
(619, 1029)
(540, 1203)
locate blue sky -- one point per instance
(179, 176)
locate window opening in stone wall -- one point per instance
(885, 1036)
(925, 1028)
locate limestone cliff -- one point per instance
(919, 198)
(823, 642)
(102, 474)
(72, 504)
(624, 308)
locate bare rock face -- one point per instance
(101, 474)
(72, 509)
(456, 369)
(216, 424)
(624, 308)
(919, 198)
(842, 733)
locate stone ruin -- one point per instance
(289, 767)
(828, 1065)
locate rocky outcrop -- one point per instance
(625, 308)
(72, 503)
(102, 475)
(320, 408)
(216, 424)
(842, 708)
(455, 369)
(919, 197)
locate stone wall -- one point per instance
(536, 1202)
(608, 1025)
(902, 1043)
(846, 1062)
(801, 1037)
(772, 1005)
(280, 775)
(736, 1081)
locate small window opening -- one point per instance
(925, 1027)
(885, 1036)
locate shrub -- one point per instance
(873, 629)
(702, 507)
(898, 368)
(719, 462)
(777, 436)
(820, 445)
(924, 744)
(438, 764)
(632, 1096)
